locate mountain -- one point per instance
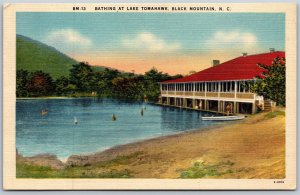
(33, 55)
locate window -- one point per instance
(199, 87)
(189, 87)
(179, 87)
(164, 87)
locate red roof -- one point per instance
(241, 68)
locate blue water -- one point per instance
(57, 134)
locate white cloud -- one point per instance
(149, 42)
(233, 40)
(66, 39)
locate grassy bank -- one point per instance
(252, 148)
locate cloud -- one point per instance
(234, 40)
(67, 39)
(148, 42)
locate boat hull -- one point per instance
(223, 118)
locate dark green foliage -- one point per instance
(127, 88)
(85, 81)
(272, 86)
(103, 82)
(81, 76)
(22, 82)
(151, 83)
(63, 86)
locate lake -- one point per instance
(57, 134)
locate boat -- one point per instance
(223, 118)
(44, 112)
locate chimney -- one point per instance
(244, 54)
(272, 50)
(215, 62)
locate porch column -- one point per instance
(219, 89)
(205, 88)
(253, 108)
(235, 88)
(234, 107)
(167, 90)
(205, 105)
(184, 103)
(160, 87)
(194, 87)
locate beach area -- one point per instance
(251, 148)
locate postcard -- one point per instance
(149, 96)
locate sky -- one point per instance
(176, 43)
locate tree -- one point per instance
(62, 86)
(151, 82)
(81, 75)
(22, 82)
(271, 84)
(40, 84)
(127, 88)
(103, 81)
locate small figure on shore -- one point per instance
(142, 112)
(114, 117)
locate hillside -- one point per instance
(33, 55)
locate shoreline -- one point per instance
(137, 142)
(58, 97)
(251, 148)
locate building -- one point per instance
(221, 88)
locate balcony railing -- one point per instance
(231, 95)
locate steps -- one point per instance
(268, 105)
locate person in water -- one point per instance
(114, 117)
(142, 112)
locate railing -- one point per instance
(211, 94)
(189, 93)
(245, 95)
(202, 94)
(227, 95)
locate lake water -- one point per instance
(57, 134)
